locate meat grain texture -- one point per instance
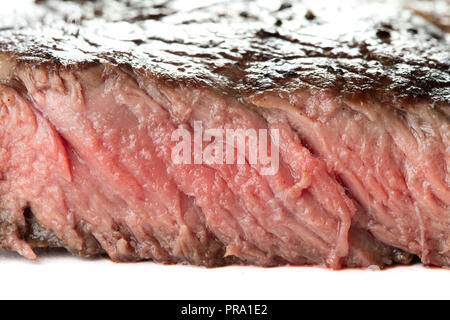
(91, 93)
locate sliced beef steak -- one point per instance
(92, 93)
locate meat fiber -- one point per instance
(91, 94)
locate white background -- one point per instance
(60, 276)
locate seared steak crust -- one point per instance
(351, 48)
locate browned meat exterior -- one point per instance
(437, 12)
(92, 92)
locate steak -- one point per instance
(358, 94)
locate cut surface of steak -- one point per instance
(92, 94)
